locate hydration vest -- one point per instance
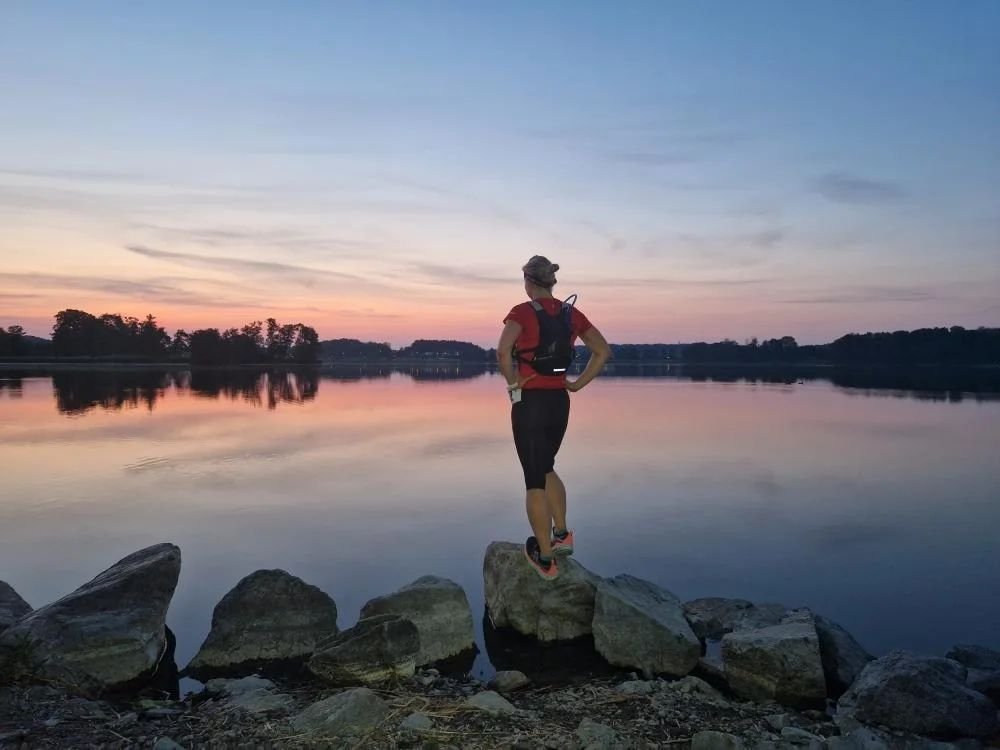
(554, 353)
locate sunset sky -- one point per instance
(382, 170)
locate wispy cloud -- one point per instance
(84, 175)
(440, 274)
(146, 290)
(287, 272)
(843, 187)
(866, 295)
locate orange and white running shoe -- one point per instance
(533, 554)
(562, 545)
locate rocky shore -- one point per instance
(596, 663)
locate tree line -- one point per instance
(79, 334)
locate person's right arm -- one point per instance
(600, 353)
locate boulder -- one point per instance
(269, 621)
(375, 650)
(712, 617)
(491, 703)
(12, 606)
(440, 610)
(780, 663)
(111, 632)
(639, 625)
(987, 683)
(509, 680)
(353, 712)
(547, 610)
(976, 657)
(920, 694)
(843, 657)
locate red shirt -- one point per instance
(528, 338)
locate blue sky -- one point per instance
(382, 170)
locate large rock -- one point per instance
(843, 657)
(921, 694)
(870, 738)
(353, 712)
(440, 610)
(976, 657)
(377, 649)
(548, 610)
(12, 606)
(111, 631)
(712, 617)
(639, 625)
(780, 663)
(269, 620)
(985, 682)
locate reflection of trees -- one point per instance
(78, 392)
(259, 388)
(12, 384)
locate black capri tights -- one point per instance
(539, 422)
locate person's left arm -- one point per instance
(505, 355)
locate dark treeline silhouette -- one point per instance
(353, 350)
(925, 346)
(14, 342)
(78, 334)
(954, 345)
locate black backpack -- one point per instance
(554, 353)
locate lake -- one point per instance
(874, 500)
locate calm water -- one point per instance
(876, 506)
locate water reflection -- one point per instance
(79, 391)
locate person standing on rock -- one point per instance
(534, 354)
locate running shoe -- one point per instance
(533, 554)
(563, 545)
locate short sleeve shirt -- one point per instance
(528, 338)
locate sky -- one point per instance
(382, 170)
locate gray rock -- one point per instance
(594, 736)
(165, 743)
(777, 722)
(261, 701)
(987, 683)
(692, 685)
(843, 657)
(919, 694)
(232, 688)
(491, 703)
(547, 610)
(636, 687)
(352, 712)
(440, 610)
(269, 619)
(780, 663)
(801, 738)
(870, 738)
(375, 650)
(417, 722)
(509, 680)
(709, 740)
(976, 657)
(110, 631)
(712, 617)
(12, 606)
(640, 625)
